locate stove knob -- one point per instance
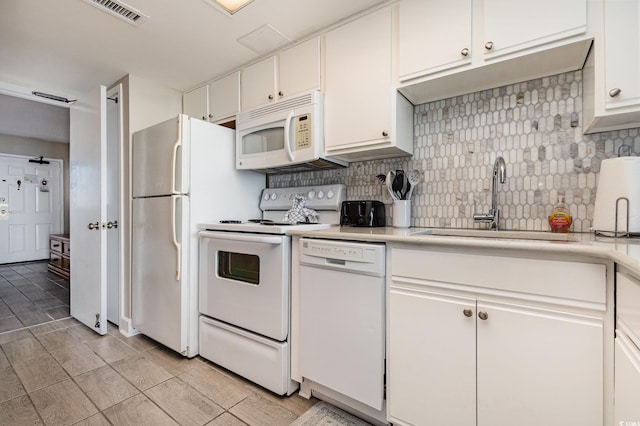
(320, 195)
(274, 196)
(330, 194)
(311, 195)
(266, 196)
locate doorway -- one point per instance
(31, 207)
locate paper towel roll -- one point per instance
(619, 177)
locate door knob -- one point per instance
(94, 225)
(113, 224)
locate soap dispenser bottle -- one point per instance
(560, 219)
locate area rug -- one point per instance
(323, 414)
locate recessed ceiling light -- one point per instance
(231, 6)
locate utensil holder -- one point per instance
(401, 217)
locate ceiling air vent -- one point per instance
(119, 10)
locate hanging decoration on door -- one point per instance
(4, 209)
(44, 185)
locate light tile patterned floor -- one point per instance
(62, 373)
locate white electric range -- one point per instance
(245, 284)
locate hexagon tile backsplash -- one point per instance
(536, 126)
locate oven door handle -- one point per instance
(274, 240)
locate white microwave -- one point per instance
(284, 136)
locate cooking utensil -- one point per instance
(389, 181)
(400, 184)
(414, 178)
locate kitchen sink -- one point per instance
(485, 233)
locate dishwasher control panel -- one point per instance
(345, 253)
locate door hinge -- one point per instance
(97, 321)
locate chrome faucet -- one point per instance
(499, 175)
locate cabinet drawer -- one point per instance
(571, 280)
(56, 245)
(66, 248)
(56, 259)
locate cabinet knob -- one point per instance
(385, 133)
(483, 315)
(467, 312)
(280, 93)
(464, 52)
(614, 92)
(204, 118)
(210, 115)
(270, 97)
(94, 225)
(112, 224)
(488, 45)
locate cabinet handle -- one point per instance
(204, 118)
(270, 97)
(94, 225)
(488, 45)
(113, 224)
(614, 92)
(280, 93)
(467, 312)
(464, 52)
(210, 115)
(385, 133)
(483, 315)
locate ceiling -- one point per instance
(69, 47)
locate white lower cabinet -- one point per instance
(460, 354)
(627, 351)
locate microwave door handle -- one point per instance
(287, 129)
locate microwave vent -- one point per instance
(282, 105)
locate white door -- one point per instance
(88, 208)
(30, 207)
(114, 237)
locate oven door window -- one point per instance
(264, 140)
(239, 267)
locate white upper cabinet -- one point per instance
(258, 82)
(292, 71)
(514, 25)
(612, 72)
(196, 103)
(224, 98)
(422, 48)
(462, 46)
(365, 118)
(299, 68)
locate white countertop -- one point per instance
(624, 251)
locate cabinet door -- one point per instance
(422, 48)
(224, 97)
(358, 90)
(627, 382)
(431, 359)
(299, 68)
(196, 103)
(513, 25)
(538, 367)
(258, 83)
(622, 52)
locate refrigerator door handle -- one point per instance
(174, 200)
(287, 129)
(177, 146)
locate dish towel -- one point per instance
(298, 213)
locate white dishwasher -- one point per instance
(342, 317)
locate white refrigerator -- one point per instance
(183, 174)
